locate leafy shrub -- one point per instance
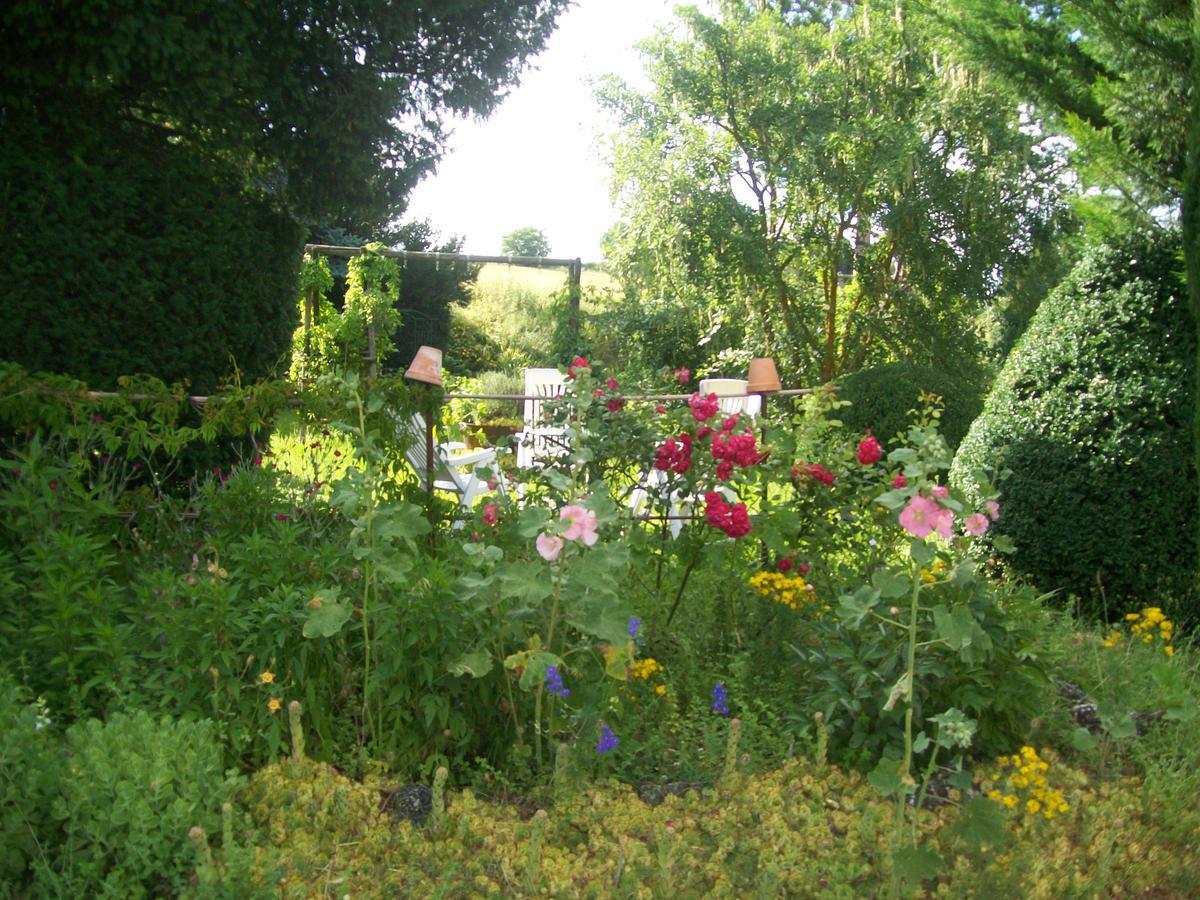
(1092, 414)
(134, 788)
(30, 772)
(471, 350)
(882, 397)
(132, 257)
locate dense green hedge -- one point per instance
(133, 256)
(1092, 412)
(882, 396)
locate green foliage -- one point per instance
(135, 257)
(882, 399)
(527, 241)
(471, 350)
(133, 788)
(823, 186)
(1092, 416)
(31, 770)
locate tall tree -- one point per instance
(527, 241)
(159, 162)
(821, 173)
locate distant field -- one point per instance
(499, 277)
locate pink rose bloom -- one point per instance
(940, 490)
(583, 524)
(682, 375)
(869, 451)
(578, 362)
(549, 546)
(919, 516)
(976, 524)
(944, 523)
(611, 383)
(491, 514)
(704, 407)
(899, 481)
(661, 408)
(992, 508)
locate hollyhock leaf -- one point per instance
(902, 455)
(920, 742)
(951, 504)
(1083, 740)
(885, 777)
(475, 663)
(916, 864)
(535, 669)
(956, 627)
(1119, 727)
(981, 823)
(326, 620)
(853, 608)
(525, 580)
(493, 553)
(532, 521)
(1003, 543)
(893, 499)
(922, 553)
(890, 584)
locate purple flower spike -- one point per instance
(554, 682)
(720, 695)
(635, 625)
(608, 740)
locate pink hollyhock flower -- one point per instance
(944, 524)
(869, 451)
(919, 516)
(899, 481)
(976, 524)
(491, 514)
(939, 491)
(493, 484)
(683, 375)
(549, 546)
(704, 408)
(583, 524)
(992, 508)
(578, 362)
(598, 392)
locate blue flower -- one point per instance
(720, 695)
(634, 624)
(608, 740)
(554, 682)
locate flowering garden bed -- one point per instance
(830, 665)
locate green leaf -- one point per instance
(1119, 727)
(533, 521)
(475, 663)
(853, 608)
(922, 553)
(891, 584)
(326, 619)
(893, 499)
(525, 580)
(1003, 543)
(916, 864)
(920, 742)
(981, 823)
(902, 455)
(956, 627)
(603, 617)
(1083, 740)
(886, 777)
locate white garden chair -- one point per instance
(538, 441)
(453, 471)
(731, 394)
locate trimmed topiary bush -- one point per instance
(141, 257)
(882, 396)
(1092, 413)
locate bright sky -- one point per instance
(538, 161)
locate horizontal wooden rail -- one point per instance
(539, 262)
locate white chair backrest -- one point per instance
(540, 385)
(732, 395)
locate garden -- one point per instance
(290, 610)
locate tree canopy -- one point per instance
(527, 241)
(825, 183)
(334, 108)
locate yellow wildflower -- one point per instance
(274, 704)
(646, 668)
(266, 677)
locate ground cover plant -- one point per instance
(821, 662)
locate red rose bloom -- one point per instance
(869, 451)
